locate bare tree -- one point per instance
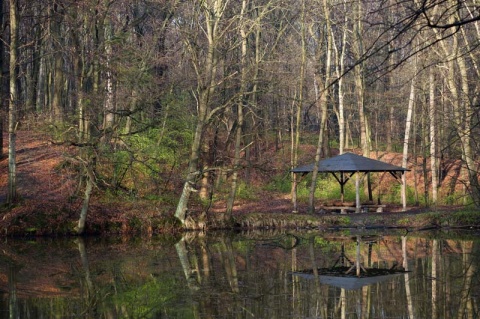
(206, 69)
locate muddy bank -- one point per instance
(418, 220)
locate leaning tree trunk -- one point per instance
(86, 202)
(193, 172)
(207, 83)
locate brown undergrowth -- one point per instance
(50, 201)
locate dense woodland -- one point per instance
(185, 98)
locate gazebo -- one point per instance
(344, 166)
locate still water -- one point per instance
(249, 275)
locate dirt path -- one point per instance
(39, 175)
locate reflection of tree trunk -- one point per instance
(466, 307)
(407, 278)
(434, 278)
(366, 302)
(295, 283)
(12, 291)
(86, 267)
(182, 252)
(229, 263)
(205, 260)
(321, 308)
(90, 292)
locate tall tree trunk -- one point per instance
(408, 124)
(298, 116)
(358, 78)
(12, 110)
(462, 108)
(322, 104)
(433, 149)
(465, 131)
(41, 85)
(240, 106)
(109, 107)
(58, 76)
(339, 70)
(359, 81)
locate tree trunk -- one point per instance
(296, 130)
(360, 91)
(58, 77)
(3, 71)
(433, 149)
(462, 108)
(339, 70)
(322, 103)
(206, 87)
(86, 200)
(12, 110)
(181, 211)
(109, 107)
(408, 124)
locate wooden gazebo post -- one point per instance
(404, 193)
(294, 193)
(357, 192)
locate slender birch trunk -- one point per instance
(408, 124)
(12, 109)
(433, 149)
(109, 105)
(339, 70)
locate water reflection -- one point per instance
(239, 276)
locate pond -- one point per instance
(246, 275)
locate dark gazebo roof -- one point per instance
(349, 162)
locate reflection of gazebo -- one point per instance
(344, 166)
(349, 282)
(344, 277)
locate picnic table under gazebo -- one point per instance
(345, 166)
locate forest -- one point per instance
(188, 103)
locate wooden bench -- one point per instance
(373, 208)
(342, 209)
